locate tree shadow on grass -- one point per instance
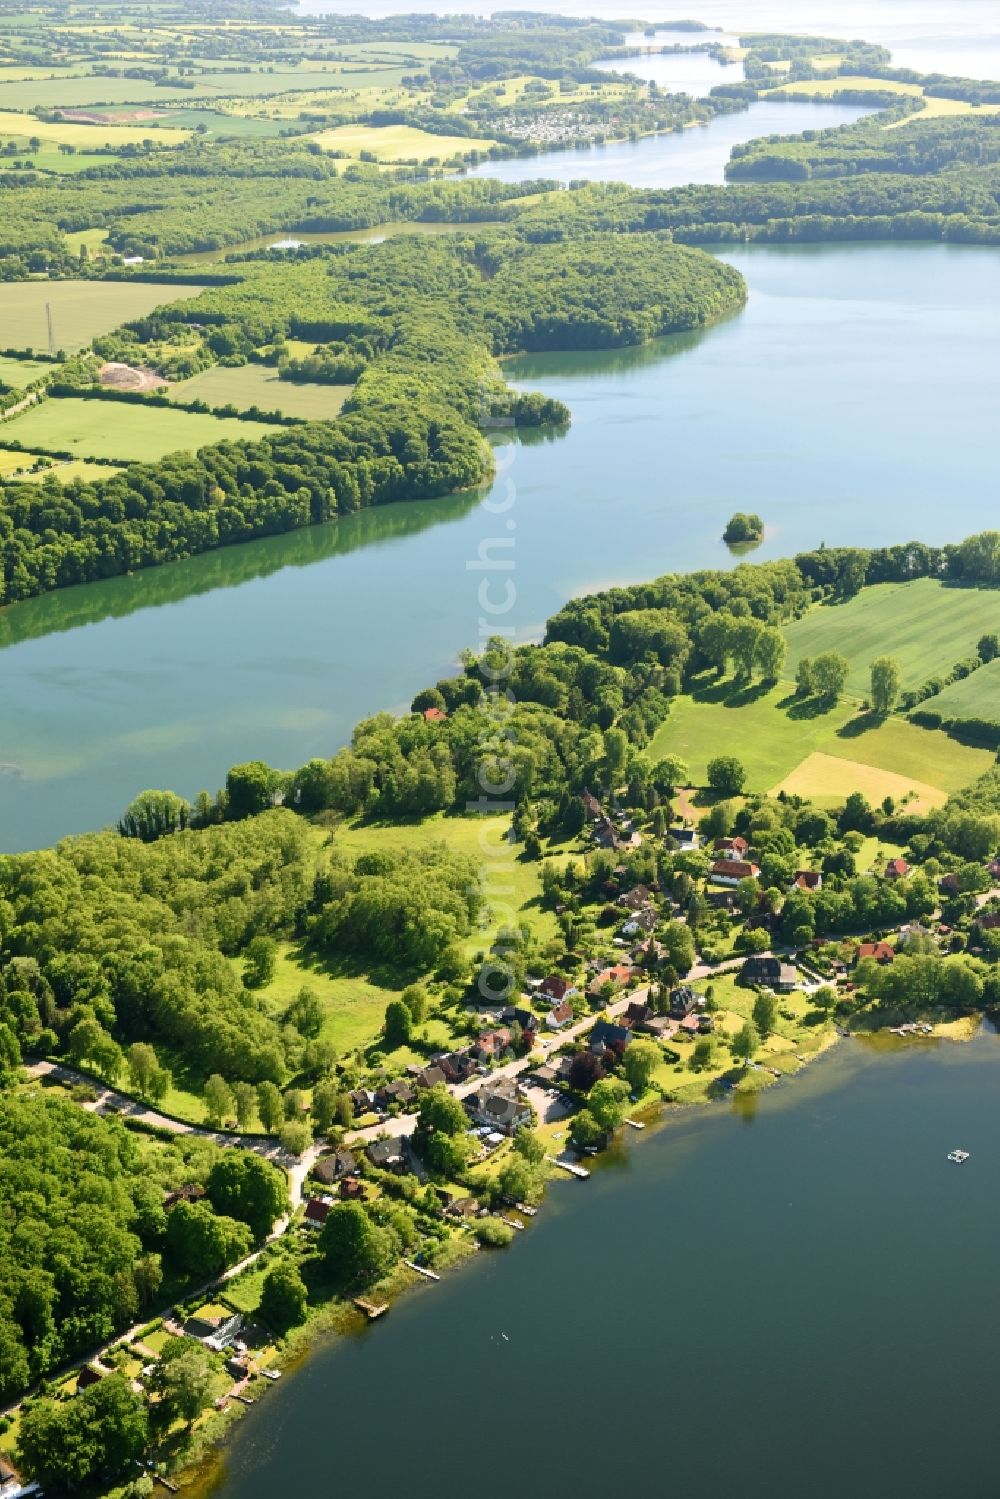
(729, 692)
(804, 708)
(861, 723)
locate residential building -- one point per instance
(317, 1211)
(500, 1107)
(559, 1015)
(880, 951)
(731, 871)
(684, 1000)
(897, 869)
(731, 848)
(769, 973)
(333, 1168)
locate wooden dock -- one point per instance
(370, 1308)
(512, 1222)
(421, 1270)
(578, 1171)
(635, 1124)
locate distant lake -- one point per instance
(696, 154)
(853, 400)
(797, 1299)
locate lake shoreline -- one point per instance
(202, 1475)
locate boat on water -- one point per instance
(958, 1156)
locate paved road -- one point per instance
(403, 1124)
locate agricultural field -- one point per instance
(116, 429)
(398, 142)
(18, 373)
(81, 310)
(784, 745)
(826, 88)
(976, 696)
(926, 625)
(255, 385)
(88, 136)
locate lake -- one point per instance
(796, 1300)
(696, 154)
(961, 38)
(852, 401)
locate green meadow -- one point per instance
(976, 696)
(255, 385)
(123, 430)
(925, 624)
(81, 310)
(786, 745)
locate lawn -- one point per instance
(64, 471)
(831, 754)
(398, 142)
(354, 1004)
(84, 136)
(123, 430)
(976, 696)
(256, 385)
(925, 625)
(81, 310)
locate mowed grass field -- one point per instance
(255, 385)
(122, 430)
(925, 625)
(825, 88)
(824, 756)
(81, 310)
(398, 142)
(977, 696)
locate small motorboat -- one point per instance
(958, 1156)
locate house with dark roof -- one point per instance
(457, 1066)
(807, 879)
(333, 1168)
(317, 1211)
(685, 838)
(555, 987)
(636, 899)
(398, 1092)
(636, 1015)
(500, 1107)
(429, 1077)
(591, 806)
(684, 1000)
(641, 924)
(606, 1036)
(768, 973)
(387, 1155)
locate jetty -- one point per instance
(574, 1170)
(635, 1124)
(526, 1209)
(512, 1222)
(370, 1308)
(421, 1270)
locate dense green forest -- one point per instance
(84, 1241)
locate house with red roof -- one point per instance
(897, 869)
(880, 951)
(434, 715)
(731, 871)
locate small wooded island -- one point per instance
(741, 529)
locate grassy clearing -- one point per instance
(398, 142)
(824, 87)
(255, 385)
(73, 468)
(773, 736)
(70, 133)
(354, 1004)
(115, 429)
(977, 696)
(508, 879)
(81, 310)
(924, 624)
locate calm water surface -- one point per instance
(961, 37)
(854, 400)
(799, 1303)
(696, 154)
